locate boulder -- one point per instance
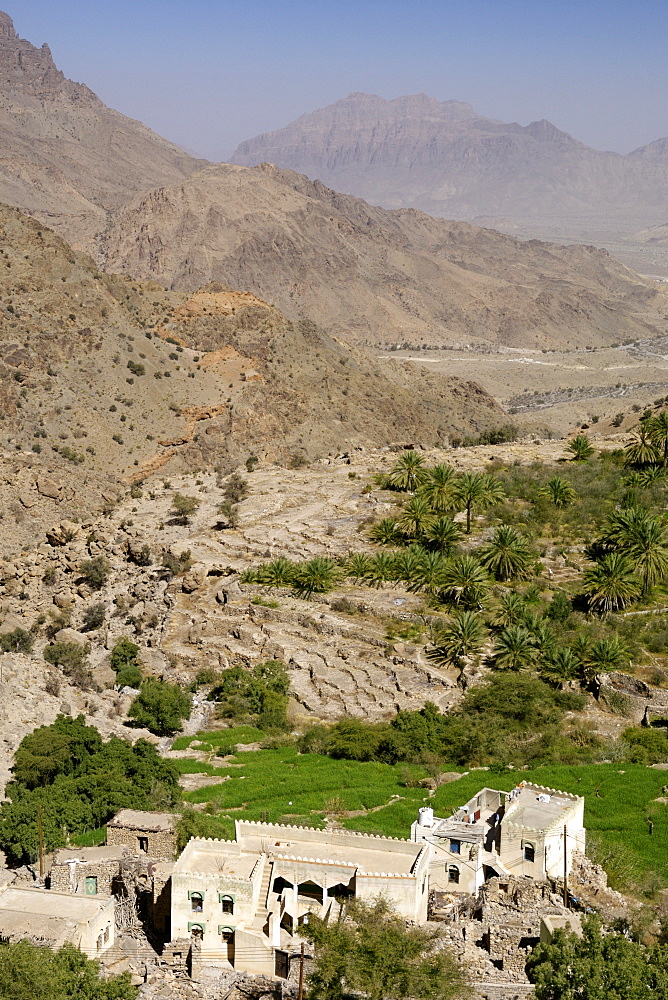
(48, 488)
(71, 635)
(193, 579)
(229, 590)
(63, 533)
(63, 599)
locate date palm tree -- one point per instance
(658, 434)
(558, 491)
(415, 517)
(477, 490)
(442, 534)
(358, 566)
(279, 572)
(610, 584)
(439, 488)
(317, 576)
(512, 609)
(459, 638)
(642, 539)
(382, 569)
(507, 556)
(429, 573)
(561, 667)
(641, 449)
(603, 656)
(580, 448)
(465, 583)
(514, 648)
(385, 532)
(406, 562)
(407, 473)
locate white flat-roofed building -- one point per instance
(57, 918)
(245, 899)
(527, 831)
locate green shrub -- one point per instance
(95, 571)
(18, 641)
(160, 707)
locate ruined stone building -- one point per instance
(148, 833)
(244, 899)
(528, 831)
(87, 871)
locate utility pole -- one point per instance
(301, 974)
(40, 834)
(565, 869)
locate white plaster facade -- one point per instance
(246, 898)
(523, 832)
(55, 918)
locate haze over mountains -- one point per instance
(446, 159)
(144, 207)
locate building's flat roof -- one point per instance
(367, 855)
(115, 852)
(152, 822)
(211, 857)
(47, 903)
(527, 810)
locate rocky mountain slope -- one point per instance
(361, 273)
(373, 275)
(106, 380)
(64, 155)
(445, 159)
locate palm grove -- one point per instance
(482, 576)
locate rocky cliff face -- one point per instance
(65, 156)
(376, 276)
(446, 159)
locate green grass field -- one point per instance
(281, 785)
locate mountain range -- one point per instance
(143, 207)
(448, 160)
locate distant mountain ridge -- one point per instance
(446, 159)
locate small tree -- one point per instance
(18, 641)
(95, 572)
(184, 507)
(370, 951)
(160, 707)
(72, 658)
(94, 617)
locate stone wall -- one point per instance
(161, 843)
(72, 877)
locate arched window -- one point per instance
(453, 874)
(196, 932)
(529, 852)
(227, 903)
(196, 902)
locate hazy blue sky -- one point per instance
(209, 73)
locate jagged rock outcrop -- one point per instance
(66, 157)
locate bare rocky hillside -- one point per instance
(105, 380)
(446, 159)
(65, 156)
(373, 275)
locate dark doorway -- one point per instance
(282, 964)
